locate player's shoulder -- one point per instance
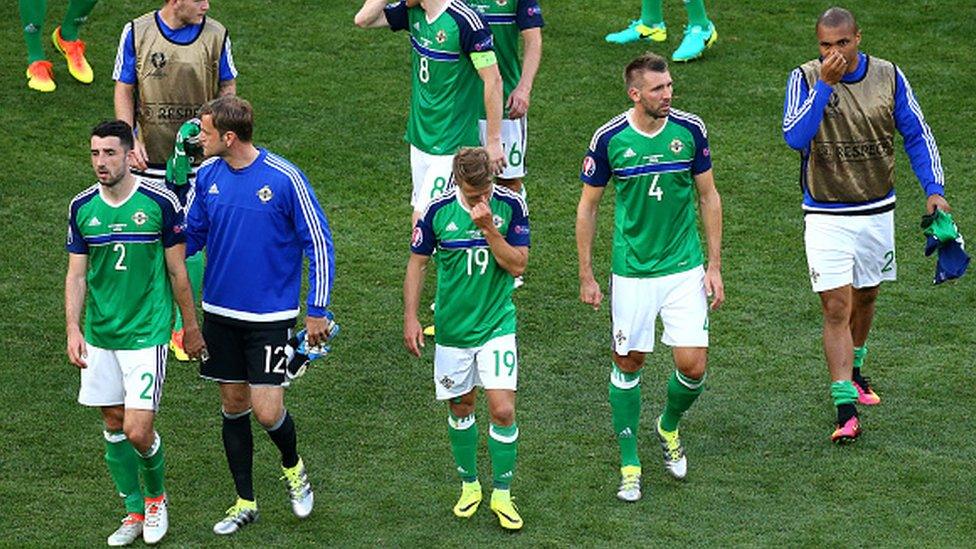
(690, 121)
(512, 198)
(208, 167)
(83, 198)
(465, 16)
(143, 21)
(285, 171)
(612, 127)
(216, 26)
(159, 194)
(446, 199)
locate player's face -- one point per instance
(110, 159)
(473, 195)
(843, 40)
(210, 138)
(653, 96)
(191, 12)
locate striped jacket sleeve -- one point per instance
(312, 228)
(803, 109)
(920, 145)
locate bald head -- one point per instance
(837, 18)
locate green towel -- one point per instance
(187, 148)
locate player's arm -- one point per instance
(803, 109)
(228, 71)
(124, 96)
(197, 217)
(371, 16)
(75, 287)
(710, 206)
(312, 228)
(518, 100)
(413, 285)
(227, 87)
(920, 146)
(493, 95)
(180, 282)
(511, 258)
(586, 213)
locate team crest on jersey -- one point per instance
(497, 220)
(501, 2)
(417, 238)
(589, 166)
(140, 217)
(677, 145)
(441, 36)
(265, 194)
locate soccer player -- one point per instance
(174, 60)
(257, 214)
(452, 49)
(40, 71)
(699, 34)
(508, 21)
(841, 112)
(481, 234)
(657, 157)
(125, 253)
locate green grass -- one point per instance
(334, 99)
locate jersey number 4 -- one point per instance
(654, 190)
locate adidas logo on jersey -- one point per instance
(629, 153)
(94, 222)
(451, 227)
(213, 189)
(626, 433)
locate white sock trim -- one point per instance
(461, 423)
(502, 438)
(114, 438)
(618, 380)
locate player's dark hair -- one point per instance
(649, 62)
(115, 128)
(836, 17)
(231, 114)
(471, 167)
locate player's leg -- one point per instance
(650, 26)
(497, 363)
(862, 315)
(700, 33)
(830, 243)
(65, 39)
(514, 135)
(266, 360)
(431, 175)
(454, 382)
(144, 371)
(40, 74)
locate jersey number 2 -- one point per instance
(120, 264)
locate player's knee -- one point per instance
(461, 408)
(502, 414)
(140, 436)
(113, 419)
(630, 363)
(836, 310)
(268, 416)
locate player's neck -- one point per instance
(433, 7)
(118, 193)
(645, 122)
(169, 17)
(241, 155)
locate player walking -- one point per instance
(125, 252)
(481, 234)
(657, 157)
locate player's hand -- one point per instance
(937, 201)
(77, 349)
(833, 68)
(481, 215)
(413, 336)
(138, 156)
(496, 156)
(714, 287)
(518, 103)
(317, 329)
(193, 342)
(412, 3)
(590, 293)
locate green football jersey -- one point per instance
(474, 293)
(507, 19)
(129, 303)
(446, 90)
(655, 215)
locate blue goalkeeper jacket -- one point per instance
(256, 223)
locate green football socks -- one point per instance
(123, 466)
(859, 354)
(651, 12)
(32, 18)
(152, 466)
(503, 449)
(843, 392)
(194, 269)
(75, 17)
(625, 405)
(696, 13)
(463, 432)
(682, 393)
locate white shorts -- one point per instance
(131, 378)
(850, 249)
(494, 365)
(514, 139)
(679, 298)
(431, 174)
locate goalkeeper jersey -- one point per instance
(446, 90)
(655, 218)
(474, 293)
(129, 303)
